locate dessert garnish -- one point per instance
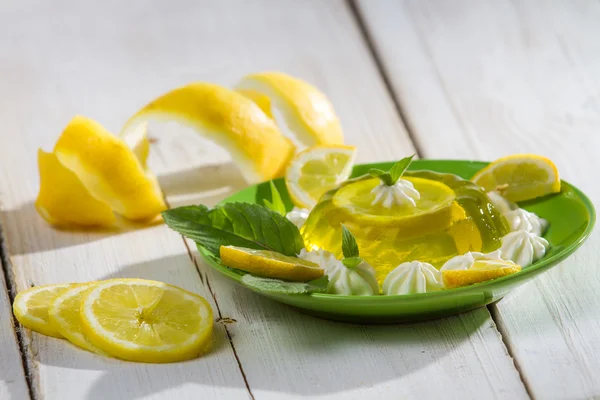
(412, 277)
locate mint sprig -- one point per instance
(270, 285)
(391, 177)
(276, 203)
(349, 249)
(236, 224)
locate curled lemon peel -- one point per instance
(92, 174)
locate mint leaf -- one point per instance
(270, 285)
(276, 204)
(236, 224)
(349, 246)
(398, 169)
(385, 177)
(352, 262)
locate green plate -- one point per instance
(570, 212)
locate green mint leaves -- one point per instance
(236, 224)
(276, 203)
(391, 177)
(349, 249)
(270, 285)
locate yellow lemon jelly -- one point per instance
(452, 216)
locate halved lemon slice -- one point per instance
(64, 316)
(31, 307)
(270, 264)
(316, 170)
(480, 271)
(109, 169)
(228, 118)
(64, 201)
(520, 177)
(146, 321)
(307, 111)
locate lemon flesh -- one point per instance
(480, 271)
(146, 321)
(64, 316)
(520, 177)
(307, 111)
(316, 170)
(31, 307)
(452, 216)
(270, 264)
(230, 119)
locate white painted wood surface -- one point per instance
(12, 374)
(486, 79)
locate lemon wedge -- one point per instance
(228, 118)
(520, 177)
(480, 271)
(64, 316)
(146, 321)
(64, 201)
(270, 264)
(314, 171)
(307, 112)
(31, 307)
(109, 169)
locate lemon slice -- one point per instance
(307, 112)
(228, 118)
(316, 170)
(109, 169)
(146, 321)
(270, 264)
(520, 177)
(434, 211)
(63, 314)
(64, 201)
(31, 307)
(480, 271)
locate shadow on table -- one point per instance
(293, 345)
(28, 233)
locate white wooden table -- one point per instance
(445, 79)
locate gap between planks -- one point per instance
(27, 362)
(417, 145)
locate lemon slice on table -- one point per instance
(307, 111)
(316, 170)
(270, 264)
(64, 316)
(109, 170)
(64, 201)
(146, 321)
(228, 118)
(520, 177)
(480, 271)
(31, 307)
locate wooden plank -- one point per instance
(57, 62)
(486, 79)
(12, 375)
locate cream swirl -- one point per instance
(356, 281)
(465, 261)
(298, 216)
(523, 247)
(413, 277)
(323, 258)
(523, 220)
(400, 193)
